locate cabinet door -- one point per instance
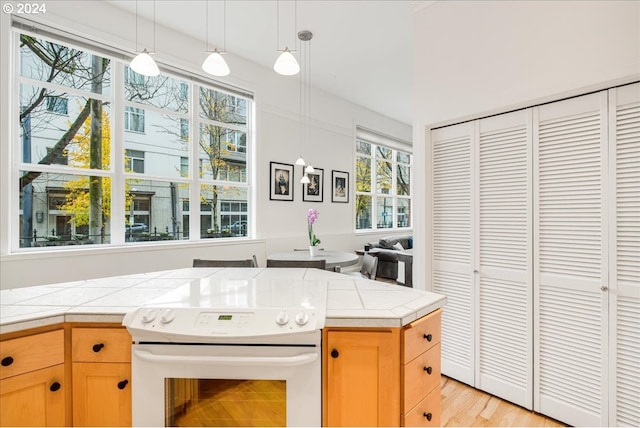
(452, 253)
(101, 394)
(362, 378)
(570, 260)
(503, 242)
(624, 290)
(33, 399)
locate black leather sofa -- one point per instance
(388, 256)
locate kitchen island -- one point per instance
(361, 315)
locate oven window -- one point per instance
(225, 402)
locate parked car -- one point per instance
(238, 227)
(136, 228)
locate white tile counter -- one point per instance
(351, 302)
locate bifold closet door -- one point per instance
(624, 288)
(571, 260)
(451, 169)
(503, 273)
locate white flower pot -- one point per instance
(313, 250)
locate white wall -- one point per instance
(279, 225)
(476, 58)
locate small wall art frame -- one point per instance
(339, 186)
(281, 181)
(313, 191)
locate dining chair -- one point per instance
(368, 269)
(319, 264)
(225, 263)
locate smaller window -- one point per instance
(184, 129)
(134, 161)
(184, 167)
(134, 119)
(58, 105)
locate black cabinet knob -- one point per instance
(55, 386)
(335, 353)
(428, 337)
(7, 361)
(427, 415)
(123, 384)
(98, 347)
(428, 370)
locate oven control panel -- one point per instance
(175, 324)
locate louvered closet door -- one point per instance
(505, 288)
(624, 290)
(451, 153)
(571, 260)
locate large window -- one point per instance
(67, 140)
(383, 187)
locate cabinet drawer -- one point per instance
(421, 376)
(101, 345)
(421, 335)
(427, 413)
(29, 353)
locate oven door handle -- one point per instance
(234, 360)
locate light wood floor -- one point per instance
(463, 405)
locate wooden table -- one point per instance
(335, 259)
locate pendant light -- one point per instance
(215, 64)
(143, 63)
(286, 63)
(305, 107)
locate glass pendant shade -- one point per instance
(144, 64)
(300, 161)
(286, 64)
(215, 65)
(309, 169)
(305, 179)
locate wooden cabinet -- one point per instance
(101, 376)
(362, 377)
(382, 377)
(32, 380)
(421, 372)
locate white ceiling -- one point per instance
(361, 50)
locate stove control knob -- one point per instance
(167, 316)
(282, 318)
(302, 318)
(149, 315)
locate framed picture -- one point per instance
(312, 192)
(281, 178)
(339, 186)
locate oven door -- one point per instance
(226, 385)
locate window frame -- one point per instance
(375, 193)
(116, 171)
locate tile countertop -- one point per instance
(351, 302)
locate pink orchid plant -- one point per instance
(312, 216)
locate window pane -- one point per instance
(57, 209)
(404, 213)
(221, 107)
(44, 135)
(150, 209)
(363, 174)
(363, 147)
(64, 66)
(404, 157)
(363, 212)
(384, 177)
(384, 210)
(220, 163)
(163, 91)
(134, 119)
(403, 180)
(161, 146)
(227, 211)
(384, 153)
